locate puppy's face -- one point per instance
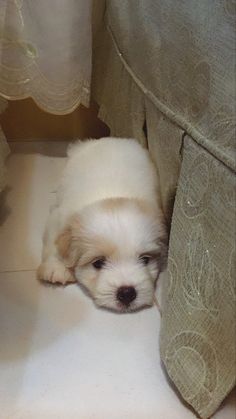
(117, 249)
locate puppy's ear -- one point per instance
(163, 243)
(67, 243)
(63, 243)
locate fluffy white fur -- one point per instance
(106, 229)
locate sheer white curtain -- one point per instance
(4, 149)
(45, 52)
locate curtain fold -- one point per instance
(45, 52)
(4, 148)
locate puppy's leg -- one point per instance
(52, 269)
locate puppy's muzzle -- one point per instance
(126, 295)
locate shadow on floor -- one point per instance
(45, 148)
(5, 209)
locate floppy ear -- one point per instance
(163, 243)
(67, 243)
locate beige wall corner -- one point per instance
(23, 120)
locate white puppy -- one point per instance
(106, 229)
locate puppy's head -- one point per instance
(117, 248)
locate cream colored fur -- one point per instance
(107, 208)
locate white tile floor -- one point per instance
(60, 357)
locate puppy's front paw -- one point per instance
(55, 272)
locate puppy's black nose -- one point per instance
(126, 295)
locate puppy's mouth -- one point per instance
(121, 308)
(132, 308)
(125, 299)
(117, 307)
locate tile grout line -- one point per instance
(18, 270)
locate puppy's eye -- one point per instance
(99, 263)
(145, 259)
